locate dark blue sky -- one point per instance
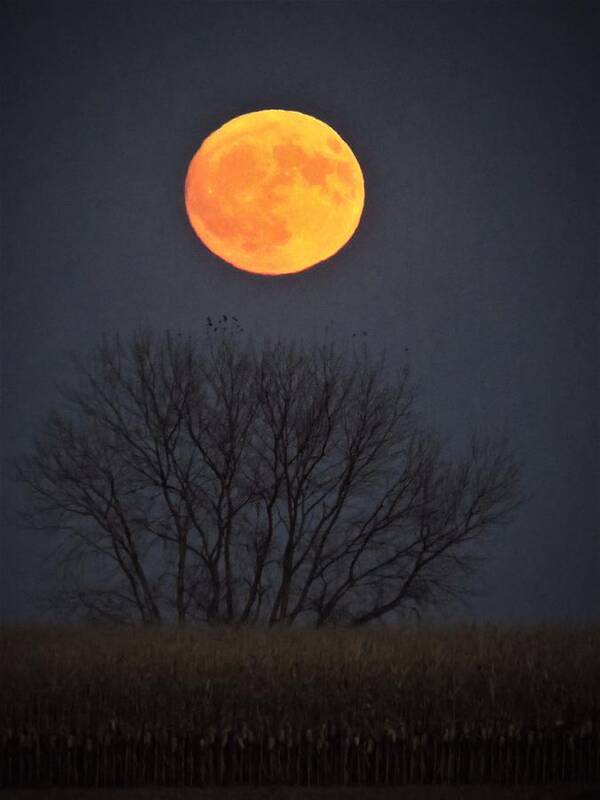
(476, 129)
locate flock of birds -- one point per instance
(223, 321)
(222, 324)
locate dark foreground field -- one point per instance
(462, 706)
(296, 793)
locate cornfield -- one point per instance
(107, 707)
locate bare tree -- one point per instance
(221, 482)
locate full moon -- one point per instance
(274, 192)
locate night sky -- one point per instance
(476, 258)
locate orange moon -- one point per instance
(274, 192)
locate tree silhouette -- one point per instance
(218, 481)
